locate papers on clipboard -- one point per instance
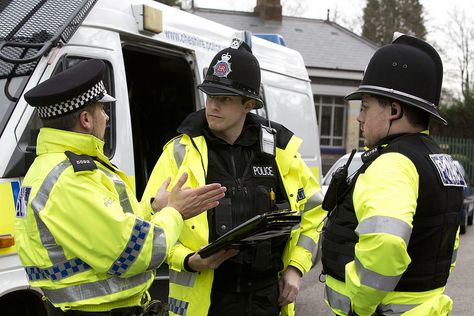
(260, 227)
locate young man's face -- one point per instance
(374, 120)
(100, 119)
(226, 113)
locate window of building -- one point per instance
(332, 117)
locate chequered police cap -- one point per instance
(70, 90)
(93, 94)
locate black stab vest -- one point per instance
(435, 222)
(247, 195)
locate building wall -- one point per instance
(329, 88)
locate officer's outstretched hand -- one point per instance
(289, 286)
(191, 202)
(213, 261)
(161, 197)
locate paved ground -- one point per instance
(460, 285)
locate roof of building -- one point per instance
(322, 44)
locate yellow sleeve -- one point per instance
(303, 256)
(385, 202)
(455, 251)
(164, 168)
(100, 231)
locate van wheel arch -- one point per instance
(23, 303)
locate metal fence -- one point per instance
(461, 149)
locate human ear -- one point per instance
(85, 120)
(250, 105)
(396, 110)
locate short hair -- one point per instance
(415, 116)
(67, 121)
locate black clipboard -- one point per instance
(260, 227)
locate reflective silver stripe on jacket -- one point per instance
(177, 307)
(455, 255)
(55, 252)
(385, 225)
(158, 253)
(121, 190)
(62, 267)
(374, 279)
(179, 151)
(183, 278)
(394, 309)
(337, 300)
(132, 249)
(76, 293)
(308, 244)
(315, 200)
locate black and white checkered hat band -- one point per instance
(58, 109)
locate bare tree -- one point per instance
(351, 22)
(294, 7)
(457, 109)
(460, 31)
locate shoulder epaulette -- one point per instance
(81, 162)
(172, 140)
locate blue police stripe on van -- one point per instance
(449, 173)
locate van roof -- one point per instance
(181, 28)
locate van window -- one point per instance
(162, 92)
(295, 110)
(25, 151)
(11, 87)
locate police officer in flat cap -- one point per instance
(259, 163)
(390, 239)
(81, 234)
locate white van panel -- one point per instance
(289, 101)
(106, 45)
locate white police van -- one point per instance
(156, 55)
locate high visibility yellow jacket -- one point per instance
(190, 292)
(385, 200)
(81, 234)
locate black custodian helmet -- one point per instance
(408, 70)
(234, 71)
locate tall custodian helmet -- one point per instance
(234, 71)
(70, 90)
(408, 70)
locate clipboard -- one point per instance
(260, 227)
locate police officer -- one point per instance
(81, 234)
(258, 162)
(389, 242)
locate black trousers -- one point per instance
(262, 302)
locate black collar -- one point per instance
(196, 125)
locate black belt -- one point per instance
(126, 311)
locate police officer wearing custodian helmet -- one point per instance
(390, 240)
(260, 165)
(81, 234)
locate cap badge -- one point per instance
(222, 67)
(235, 43)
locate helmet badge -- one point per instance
(222, 67)
(235, 43)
